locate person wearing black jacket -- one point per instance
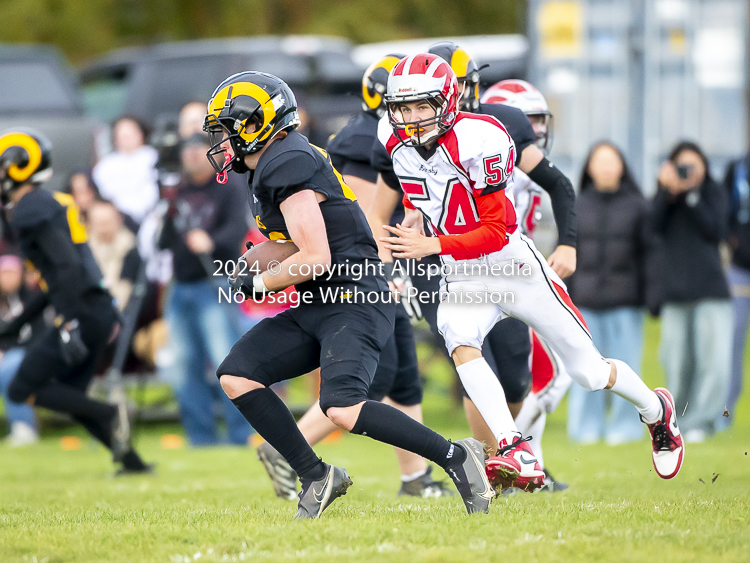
(609, 287)
(690, 217)
(737, 184)
(60, 364)
(206, 221)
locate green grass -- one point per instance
(215, 504)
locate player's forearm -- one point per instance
(379, 214)
(483, 240)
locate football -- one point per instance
(260, 255)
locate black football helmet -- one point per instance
(248, 109)
(375, 82)
(466, 71)
(25, 158)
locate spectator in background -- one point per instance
(114, 248)
(737, 184)
(608, 288)
(84, 193)
(690, 217)
(14, 295)
(205, 222)
(127, 176)
(191, 118)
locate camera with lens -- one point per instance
(684, 171)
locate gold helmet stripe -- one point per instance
(460, 62)
(373, 102)
(32, 148)
(257, 93)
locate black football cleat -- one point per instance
(425, 487)
(316, 496)
(147, 469)
(552, 485)
(470, 477)
(283, 477)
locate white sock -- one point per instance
(530, 411)
(485, 391)
(631, 388)
(536, 431)
(417, 475)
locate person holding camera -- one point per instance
(205, 223)
(690, 217)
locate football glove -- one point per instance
(403, 284)
(245, 284)
(74, 349)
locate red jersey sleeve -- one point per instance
(489, 237)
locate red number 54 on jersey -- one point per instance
(495, 172)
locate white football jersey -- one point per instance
(476, 156)
(527, 198)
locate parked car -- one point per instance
(38, 90)
(503, 56)
(155, 82)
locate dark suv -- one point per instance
(155, 82)
(37, 90)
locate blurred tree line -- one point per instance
(83, 28)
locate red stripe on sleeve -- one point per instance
(407, 203)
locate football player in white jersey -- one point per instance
(454, 169)
(507, 347)
(550, 382)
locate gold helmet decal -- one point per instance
(16, 172)
(460, 63)
(226, 95)
(374, 81)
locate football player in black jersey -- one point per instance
(297, 195)
(396, 381)
(58, 367)
(508, 343)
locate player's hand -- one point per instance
(409, 242)
(563, 260)
(242, 282)
(413, 220)
(199, 242)
(73, 348)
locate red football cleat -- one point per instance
(668, 449)
(515, 465)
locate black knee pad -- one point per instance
(341, 391)
(510, 345)
(407, 395)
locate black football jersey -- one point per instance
(515, 122)
(42, 222)
(292, 164)
(351, 153)
(351, 148)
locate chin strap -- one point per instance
(223, 176)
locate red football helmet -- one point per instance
(422, 77)
(522, 95)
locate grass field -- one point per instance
(215, 504)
